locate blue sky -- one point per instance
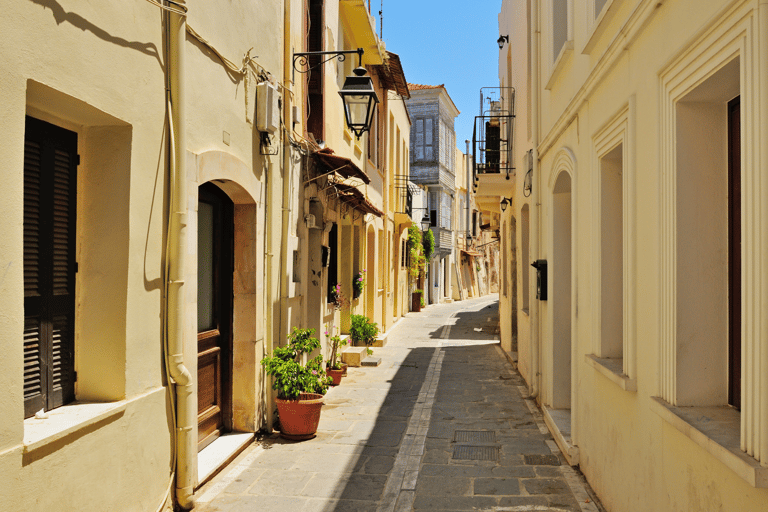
(447, 42)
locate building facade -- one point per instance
(164, 232)
(640, 197)
(433, 143)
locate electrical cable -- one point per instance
(181, 9)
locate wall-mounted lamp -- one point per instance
(358, 94)
(504, 203)
(501, 40)
(425, 222)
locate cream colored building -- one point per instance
(157, 241)
(643, 125)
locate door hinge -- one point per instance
(77, 267)
(74, 376)
(77, 159)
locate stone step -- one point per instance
(353, 356)
(371, 361)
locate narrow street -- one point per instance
(441, 424)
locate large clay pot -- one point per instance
(415, 302)
(299, 418)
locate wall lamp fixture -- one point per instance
(501, 40)
(505, 202)
(358, 94)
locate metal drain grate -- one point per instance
(463, 452)
(474, 436)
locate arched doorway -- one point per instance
(561, 293)
(215, 242)
(370, 277)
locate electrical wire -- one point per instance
(180, 9)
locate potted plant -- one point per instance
(363, 331)
(335, 368)
(337, 299)
(300, 387)
(358, 283)
(417, 299)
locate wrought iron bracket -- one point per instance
(301, 59)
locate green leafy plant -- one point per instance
(335, 342)
(358, 283)
(429, 243)
(363, 330)
(415, 258)
(291, 378)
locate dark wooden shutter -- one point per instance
(50, 165)
(315, 118)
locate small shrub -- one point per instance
(291, 378)
(363, 330)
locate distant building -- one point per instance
(433, 143)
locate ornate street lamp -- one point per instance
(360, 101)
(358, 95)
(425, 222)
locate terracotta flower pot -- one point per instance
(299, 418)
(335, 375)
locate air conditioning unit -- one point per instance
(267, 108)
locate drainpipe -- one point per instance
(469, 184)
(535, 337)
(177, 240)
(186, 410)
(287, 179)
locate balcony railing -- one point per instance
(493, 136)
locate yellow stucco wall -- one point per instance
(608, 90)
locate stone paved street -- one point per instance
(442, 424)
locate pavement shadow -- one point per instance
(363, 489)
(471, 325)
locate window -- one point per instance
(614, 264)
(423, 139)
(526, 263)
(559, 26)
(561, 39)
(314, 103)
(611, 255)
(373, 139)
(50, 206)
(446, 206)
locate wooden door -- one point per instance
(734, 253)
(214, 314)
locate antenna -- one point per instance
(381, 21)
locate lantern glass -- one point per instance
(360, 100)
(425, 222)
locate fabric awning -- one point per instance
(354, 198)
(341, 165)
(471, 253)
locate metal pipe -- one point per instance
(535, 338)
(469, 185)
(186, 410)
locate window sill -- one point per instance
(68, 420)
(598, 26)
(559, 63)
(716, 429)
(613, 369)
